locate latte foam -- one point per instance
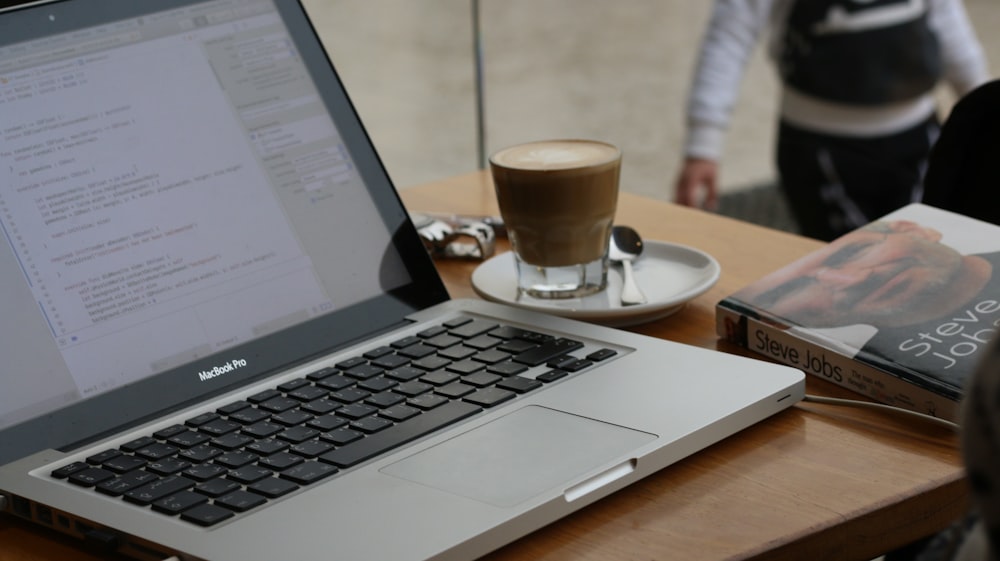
(555, 154)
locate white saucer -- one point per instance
(669, 275)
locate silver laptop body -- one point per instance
(199, 239)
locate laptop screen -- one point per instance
(187, 195)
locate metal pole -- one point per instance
(477, 44)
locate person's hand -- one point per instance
(697, 184)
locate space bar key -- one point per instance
(397, 435)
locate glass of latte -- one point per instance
(558, 200)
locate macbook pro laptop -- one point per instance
(222, 337)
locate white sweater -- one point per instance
(736, 26)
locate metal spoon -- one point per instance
(626, 245)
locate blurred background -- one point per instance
(613, 71)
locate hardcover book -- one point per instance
(899, 310)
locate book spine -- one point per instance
(778, 345)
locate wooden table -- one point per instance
(814, 482)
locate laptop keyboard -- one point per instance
(242, 455)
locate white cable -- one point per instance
(880, 407)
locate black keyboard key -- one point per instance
(535, 337)
(413, 388)
(167, 466)
(280, 461)
(199, 454)
(388, 362)
(405, 373)
(356, 411)
(327, 423)
(320, 406)
(506, 332)
(140, 442)
(156, 451)
(399, 413)
(473, 328)
(217, 487)
(481, 379)
(188, 439)
(311, 448)
(166, 433)
(431, 362)
(490, 397)
(67, 470)
(405, 342)
(458, 352)
(123, 464)
(419, 351)
(308, 472)
(342, 436)
(179, 502)
(125, 483)
(263, 396)
(231, 441)
(236, 459)
(385, 399)
(249, 415)
(577, 365)
(278, 404)
(350, 395)
(158, 489)
(491, 356)
(466, 367)
(364, 371)
(293, 384)
(507, 368)
(432, 331)
(378, 352)
(547, 351)
(376, 385)
(602, 354)
(298, 434)
(219, 427)
(460, 320)
(292, 417)
(516, 346)
(249, 474)
(90, 477)
(558, 362)
(233, 407)
(321, 373)
(370, 425)
(263, 429)
(200, 420)
(483, 342)
(397, 435)
(335, 382)
(442, 341)
(455, 390)
(267, 446)
(308, 393)
(440, 377)
(427, 401)
(273, 487)
(206, 515)
(205, 472)
(351, 363)
(551, 376)
(101, 457)
(519, 384)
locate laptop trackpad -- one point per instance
(520, 455)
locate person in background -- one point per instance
(857, 110)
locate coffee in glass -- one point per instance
(558, 200)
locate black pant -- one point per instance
(835, 184)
